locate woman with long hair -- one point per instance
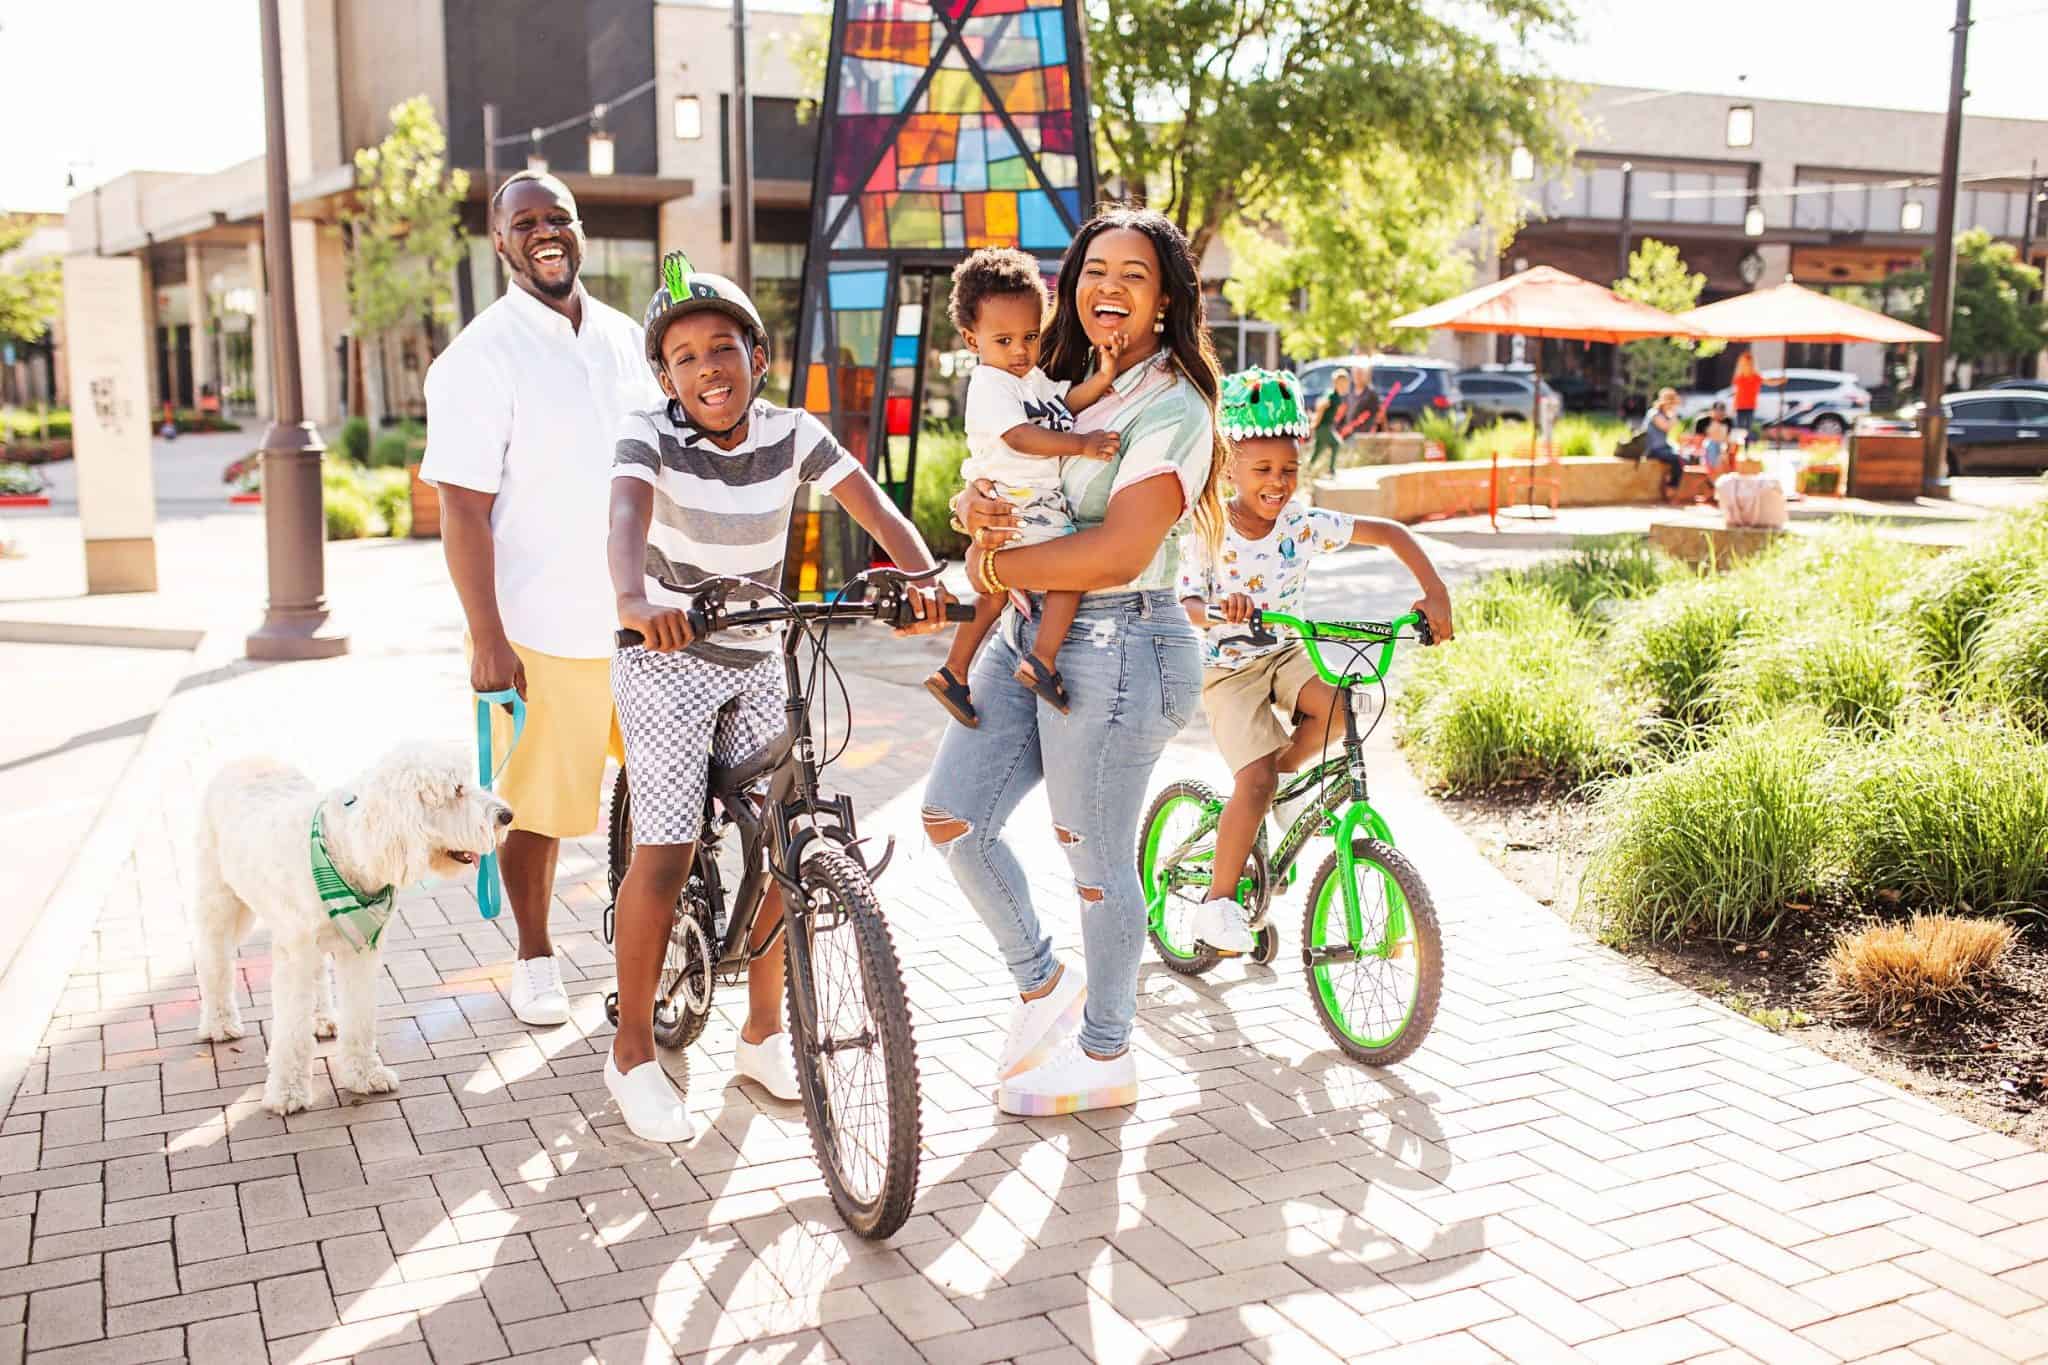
(1132, 661)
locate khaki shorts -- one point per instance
(554, 780)
(1240, 701)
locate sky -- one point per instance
(102, 87)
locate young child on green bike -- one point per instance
(1269, 541)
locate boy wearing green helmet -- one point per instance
(1270, 539)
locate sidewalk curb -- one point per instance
(79, 633)
(35, 981)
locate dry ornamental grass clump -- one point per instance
(1933, 962)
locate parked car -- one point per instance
(1990, 431)
(1823, 401)
(1425, 385)
(1495, 393)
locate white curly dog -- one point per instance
(414, 815)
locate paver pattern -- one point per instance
(1584, 1162)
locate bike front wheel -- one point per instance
(1375, 988)
(855, 1062)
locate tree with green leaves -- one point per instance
(1996, 314)
(29, 293)
(1657, 276)
(404, 236)
(1332, 269)
(1216, 110)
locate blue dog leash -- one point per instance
(490, 889)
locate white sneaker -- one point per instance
(771, 1063)
(536, 992)
(1069, 1081)
(652, 1108)
(1221, 924)
(1038, 1026)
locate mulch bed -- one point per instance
(1988, 1063)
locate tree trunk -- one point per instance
(372, 353)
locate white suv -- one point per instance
(1826, 401)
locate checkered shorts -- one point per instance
(679, 713)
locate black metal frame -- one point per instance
(825, 227)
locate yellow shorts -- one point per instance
(1240, 701)
(555, 778)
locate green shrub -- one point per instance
(1962, 593)
(1603, 569)
(1509, 603)
(1577, 436)
(1951, 814)
(940, 452)
(1524, 704)
(1718, 842)
(20, 481)
(349, 514)
(2009, 667)
(396, 447)
(1509, 438)
(1850, 571)
(26, 425)
(1447, 431)
(1675, 642)
(390, 495)
(353, 442)
(1856, 676)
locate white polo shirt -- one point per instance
(525, 406)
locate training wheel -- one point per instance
(1266, 947)
(611, 1008)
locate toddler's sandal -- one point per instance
(952, 694)
(1042, 678)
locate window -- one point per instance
(620, 271)
(1986, 410)
(1474, 384)
(1808, 384)
(2028, 411)
(1603, 197)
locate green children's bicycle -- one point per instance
(1370, 946)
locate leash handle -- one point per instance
(490, 888)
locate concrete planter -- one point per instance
(426, 506)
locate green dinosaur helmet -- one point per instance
(1262, 403)
(684, 290)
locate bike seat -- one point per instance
(729, 781)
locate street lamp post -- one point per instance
(1628, 177)
(296, 623)
(1941, 288)
(490, 189)
(742, 154)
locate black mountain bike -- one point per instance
(765, 819)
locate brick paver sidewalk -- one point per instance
(1584, 1162)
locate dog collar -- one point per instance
(357, 918)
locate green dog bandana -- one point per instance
(357, 918)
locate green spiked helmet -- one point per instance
(1260, 403)
(684, 290)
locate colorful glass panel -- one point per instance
(953, 124)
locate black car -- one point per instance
(1418, 384)
(1997, 431)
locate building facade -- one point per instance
(1753, 192)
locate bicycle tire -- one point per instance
(1373, 1045)
(676, 1026)
(1196, 957)
(831, 873)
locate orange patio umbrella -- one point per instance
(1543, 301)
(1791, 312)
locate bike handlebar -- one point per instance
(890, 604)
(1382, 633)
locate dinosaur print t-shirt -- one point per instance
(1272, 571)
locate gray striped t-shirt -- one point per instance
(724, 511)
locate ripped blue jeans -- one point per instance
(1133, 669)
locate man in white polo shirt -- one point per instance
(521, 412)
